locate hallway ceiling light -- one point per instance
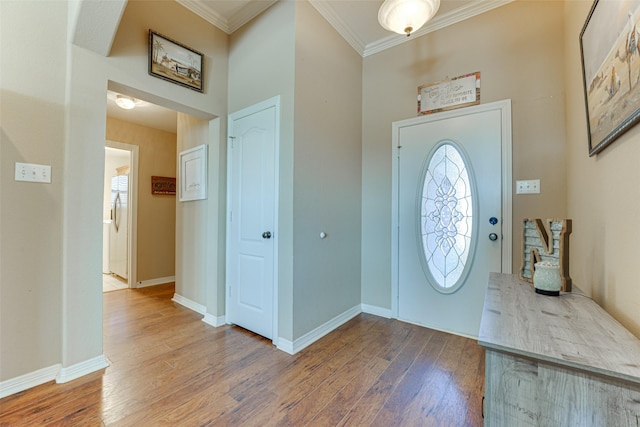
(125, 102)
(406, 16)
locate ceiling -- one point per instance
(355, 20)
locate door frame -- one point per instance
(504, 107)
(132, 229)
(268, 103)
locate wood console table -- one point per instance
(556, 361)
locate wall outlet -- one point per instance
(33, 173)
(531, 186)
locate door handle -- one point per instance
(493, 237)
(266, 235)
(116, 220)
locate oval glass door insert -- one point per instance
(447, 217)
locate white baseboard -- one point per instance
(55, 372)
(212, 320)
(445, 330)
(153, 282)
(376, 311)
(284, 345)
(80, 369)
(322, 330)
(192, 305)
(26, 381)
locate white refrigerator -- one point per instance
(118, 233)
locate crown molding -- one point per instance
(439, 22)
(254, 8)
(247, 13)
(322, 6)
(244, 15)
(206, 13)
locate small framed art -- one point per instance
(175, 62)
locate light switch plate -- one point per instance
(531, 186)
(33, 173)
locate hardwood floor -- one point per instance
(168, 368)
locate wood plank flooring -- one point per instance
(168, 368)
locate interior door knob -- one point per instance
(493, 237)
(266, 235)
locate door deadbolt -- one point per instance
(266, 235)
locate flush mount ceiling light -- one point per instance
(125, 102)
(406, 16)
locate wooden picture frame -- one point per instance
(449, 94)
(610, 53)
(193, 174)
(174, 62)
(162, 185)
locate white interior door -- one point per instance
(252, 234)
(450, 177)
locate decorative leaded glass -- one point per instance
(446, 213)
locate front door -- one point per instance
(450, 216)
(252, 236)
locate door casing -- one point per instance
(269, 103)
(504, 107)
(132, 259)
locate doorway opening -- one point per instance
(120, 194)
(139, 223)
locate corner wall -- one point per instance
(261, 66)
(32, 120)
(53, 110)
(327, 173)
(90, 74)
(517, 50)
(602, 197)
(291, 51)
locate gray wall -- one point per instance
(327, 175)
(32, 114)
(261, 66)
(291, 51)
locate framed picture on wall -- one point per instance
(192, 180)
(162, 185)
(610, 49)
(175, 62)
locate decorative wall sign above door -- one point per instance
(449, 94)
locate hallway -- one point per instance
(170, 368)
(112, 282)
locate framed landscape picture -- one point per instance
(174, 62)
(610, 48)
